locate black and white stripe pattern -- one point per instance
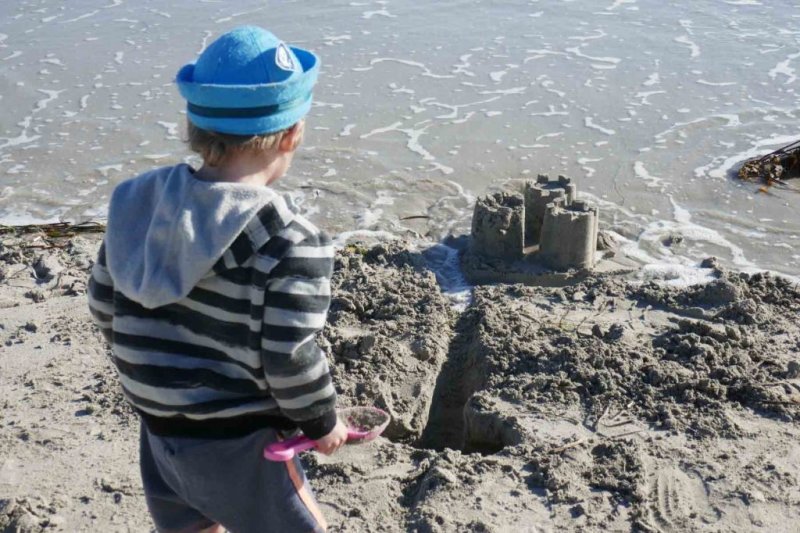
(242, 342)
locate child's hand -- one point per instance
(333, 440)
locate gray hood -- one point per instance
(167, 229)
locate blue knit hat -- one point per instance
(248, 82)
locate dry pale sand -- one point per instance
(605, 405)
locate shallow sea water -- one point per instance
(422, 106)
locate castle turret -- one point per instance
(537, 195)
(569, 235)
(497, 226)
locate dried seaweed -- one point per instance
(55, 230)
(45, 236)
(775, 167)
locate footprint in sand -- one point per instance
(678, 501)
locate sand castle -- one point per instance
(525, 236)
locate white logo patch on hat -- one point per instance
(283, 58)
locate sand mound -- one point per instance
(388, 331)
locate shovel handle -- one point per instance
(284, 450)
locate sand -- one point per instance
(606, 404)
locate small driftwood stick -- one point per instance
(569, 445)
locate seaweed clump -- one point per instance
(775, 167)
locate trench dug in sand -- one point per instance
(459, 418)
(398, 344)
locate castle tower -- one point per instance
(537, 195)
(497, 226)
(569, 235)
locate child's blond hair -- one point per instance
(215, 147)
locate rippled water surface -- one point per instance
(650, 106)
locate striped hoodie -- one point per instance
(211, 295)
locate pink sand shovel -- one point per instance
(363, 425)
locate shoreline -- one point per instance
(601, 405)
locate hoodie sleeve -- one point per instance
(296, 305)
(101, 294)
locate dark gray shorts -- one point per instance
(191, 484)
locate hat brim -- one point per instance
(250, 109)
(260, 125)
